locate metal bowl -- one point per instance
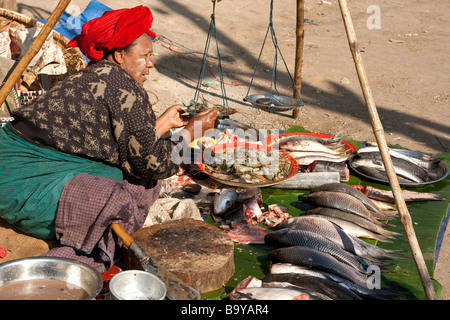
(273, 102)
(72, 272)
(136, 285)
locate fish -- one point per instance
(245, 233)
(248, 282)
(345, 188)
(289, 237)
(252, 211)
(387, 207)
(334, 140)
(364, 223)
(355, 230)
(224, 201)
(362, 291)
(251, 192)
(320, 287)
(307, 257)
(405, 170)
(408, 195)
(336, 234)
(263, 293)
(309, 145)
(339, 200)
(425, 161)
(274, 215)
(304, 158)
(328, 166)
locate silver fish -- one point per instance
(311, 258)
(404, 169)
(224, 200)
(339, 200)
(364, 223)
(362, 291)
(290, 237)
(306, 158)
(425, 161)
(336, 140)
(345, 188)
(355, 230)
(321, 287)
(262, 293)
(336, 234)
(309, 145)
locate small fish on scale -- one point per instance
(205, 105)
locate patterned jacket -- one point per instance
(103, 114)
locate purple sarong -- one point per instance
(88, 206)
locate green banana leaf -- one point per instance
(427, 218)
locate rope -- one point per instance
(169, 44)
(212, 29)
(275, 60)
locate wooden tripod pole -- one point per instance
(300, 34)
(382, 145)
(32, 50)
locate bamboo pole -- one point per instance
(32, 50)
(300, 34)
(382, 145)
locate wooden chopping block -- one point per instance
(198, 253)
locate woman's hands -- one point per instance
(200, 123)
(172, 118)
(197, 125)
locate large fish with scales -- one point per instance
(406, 171)
(339, 200)
(336, 234)
(355, 230)
(290, 237)
(304, 256)
(345, 188)
(376, 227)
(362, 291)
(321, 287)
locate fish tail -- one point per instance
(389, 234)
(378, 237)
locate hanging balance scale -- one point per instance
(194, 103)
(273, 102)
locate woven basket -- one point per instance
(73, 57)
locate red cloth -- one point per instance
(116, 28)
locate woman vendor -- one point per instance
(90, 152)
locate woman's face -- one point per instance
(137, 59)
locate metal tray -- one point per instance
(293, 167)
(443, 170)
(274, 102)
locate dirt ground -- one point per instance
(404, 45)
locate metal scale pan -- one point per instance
(273, 102)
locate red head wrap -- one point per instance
(116, 28)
